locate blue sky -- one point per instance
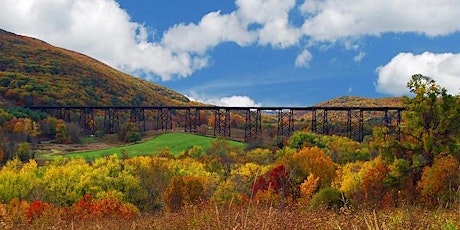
(257, 52)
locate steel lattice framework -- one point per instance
(87, 122)
(137, 116)
(355, 124)
(253, 127)
(222, 123)
(319, 121)
(192, 119)
(111, 120)
(164, 119)
(321, 118)
(285, 122)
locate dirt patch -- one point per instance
(57, 149)
(106, 142)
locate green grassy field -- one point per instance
(176, 143)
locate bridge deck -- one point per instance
(263, 108)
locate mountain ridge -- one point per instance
(356, 101)
(33, 72)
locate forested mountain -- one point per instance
(352, 101)
(33, 72)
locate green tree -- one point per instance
(301, 139)
(48, 127)
(134, 137)
(25, 151)
(328, 197)
(431, 122)
(130, 132)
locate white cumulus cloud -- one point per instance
(331, 20)
(213, 29)
(235, 100)
(359, 57)
(272, 19)
(244, 101)
(303, 59)
(444, 68)
(102, 29)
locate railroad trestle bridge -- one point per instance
(285, 120)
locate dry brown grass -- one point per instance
(266, 217)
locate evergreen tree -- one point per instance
(431, 124)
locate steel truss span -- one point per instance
(318, 119)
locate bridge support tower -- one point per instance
(285, 123)
(355, 125)
(111, 120)
(192, 119)
(253, 127)
(137, 116)
(319, 121)
(222, 123)
(164, 119)
(65, 114)
(87, 122)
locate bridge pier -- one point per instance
(253, 126)
(64, 114)
(222, 123)
(87, 122)
(137, 116)
(192, 119)
(355, 125)
(164, 119)
(111, 120)
(285, 123)
(319, 121)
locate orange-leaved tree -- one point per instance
(440, 182)
(310, 161)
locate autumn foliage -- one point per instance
(308, 188)
(110, 207)
(33, 72)
(185, 191)
(275, 180)
(373, 183)
(313, 172)
(36, 209)
(440, 182)
(310, 160)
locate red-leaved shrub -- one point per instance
(88, 208)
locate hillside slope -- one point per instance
(353, 101)
(33, 73)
